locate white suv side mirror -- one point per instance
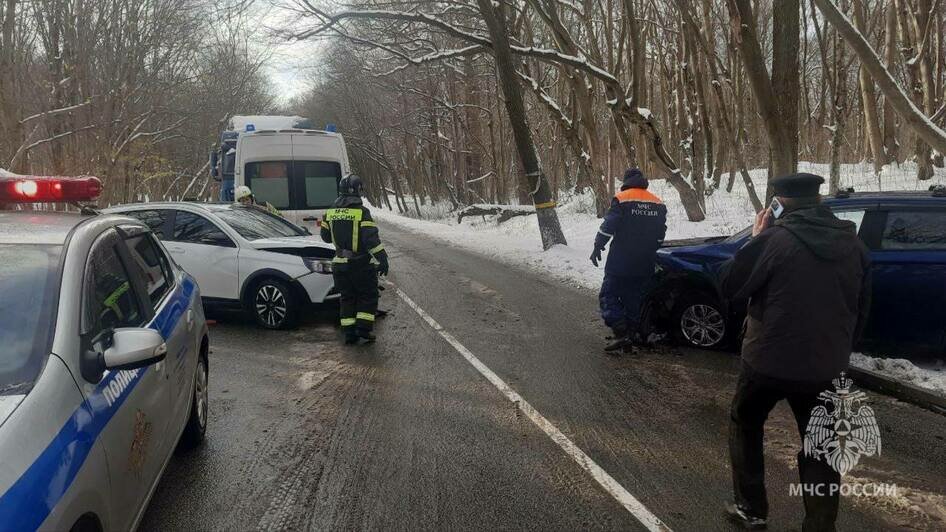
(134, 348)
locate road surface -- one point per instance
(408, 434)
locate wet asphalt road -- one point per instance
(308, 434)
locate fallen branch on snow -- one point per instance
(505, 212)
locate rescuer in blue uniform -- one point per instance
(636, 224)
(359, 258)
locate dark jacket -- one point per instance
(637, 223)
(807, 279)
(349, 226)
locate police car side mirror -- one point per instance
(134, 348)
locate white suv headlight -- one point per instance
(318, 265)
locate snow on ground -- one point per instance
(517, 242)
(932, 378)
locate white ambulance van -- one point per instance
(296, 170)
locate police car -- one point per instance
(103, 361)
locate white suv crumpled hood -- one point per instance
(290, 242)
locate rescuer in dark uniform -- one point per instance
(359, 258)
(637, 223)
(807, 278)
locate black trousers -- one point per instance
(358, 301)
(756, 396)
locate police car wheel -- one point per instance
(272, 304)
(196, 427)
(698, 321)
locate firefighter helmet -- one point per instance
(350, 185)
(242, 192)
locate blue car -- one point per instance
(906, 235)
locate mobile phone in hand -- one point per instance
(776, 207)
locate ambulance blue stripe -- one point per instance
(31, 499)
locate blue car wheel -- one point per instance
(699, 322)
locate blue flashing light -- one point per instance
(250, 128)
(331, 128)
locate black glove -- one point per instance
(596, 256)
(382, 263)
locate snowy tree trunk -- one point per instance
(891, 146)
(908, 111)
(776, 97)
(869, 99)
(549, 227)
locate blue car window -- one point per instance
(915, 230)
(853, 216)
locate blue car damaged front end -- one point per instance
(684, 299)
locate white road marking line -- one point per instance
(616, 490)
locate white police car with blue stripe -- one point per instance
(103, 362)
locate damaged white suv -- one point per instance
(243, 257)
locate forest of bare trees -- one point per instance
(697, 92)
(133, 91)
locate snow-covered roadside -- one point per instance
(929, 378)
(517, 243)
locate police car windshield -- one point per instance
(28, 290)
(253, 223)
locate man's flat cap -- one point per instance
(797, 185)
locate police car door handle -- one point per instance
(190, 319)
(310, 219)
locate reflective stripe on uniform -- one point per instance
(347, 322)
(339, 260)
(323, 224)
(369, 224)
(354, 229)
(379, 247)
(367, 316)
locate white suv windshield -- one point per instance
(28, 290)
(253, 223)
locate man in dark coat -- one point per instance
(806, 276)
(359, 258)
(637, 223)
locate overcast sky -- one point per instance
(292, 63)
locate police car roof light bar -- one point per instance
(37, 189)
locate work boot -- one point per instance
(618, 340)
(366, 335)
(618, 345)
(351, 338)
(740, 515)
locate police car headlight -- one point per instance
(318, 265)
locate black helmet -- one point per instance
(350, 185)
